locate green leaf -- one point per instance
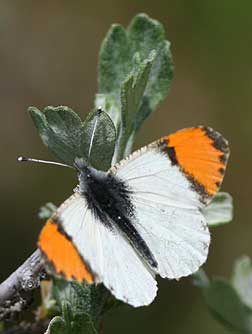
(75, 316)
(135, 73)
(242, 279)
(122, 51)
(46, 211)
(220, 210)
(145, 35)
(71, 324)
(99, 129)
(114, 60)
(131, 98)
(200, 279)
(60, 129)
(132, 93)
(82, 305)
(227, 307)
(111, 106)
(69, 138)
(57, 326)
(230, 302)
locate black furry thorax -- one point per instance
(107, 196)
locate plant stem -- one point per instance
(16, 291)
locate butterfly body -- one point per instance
(141, 218)
(109, 200)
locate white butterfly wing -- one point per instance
(167, 213)
(170, 180)
(107, 254)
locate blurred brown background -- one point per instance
(48, 56)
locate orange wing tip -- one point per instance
(62, 257)
(218, 141)
(202, 155)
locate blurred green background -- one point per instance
(48, 56)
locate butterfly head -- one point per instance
(87, 174)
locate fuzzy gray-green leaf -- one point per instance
(242, 279)
(77, 304)
(220, 210)
(132, 93)
(56, 326)
(114, 63)
(145, 35)
(82, 297)
(230, 302)
(82, 307)
(71, 323)
(226, 305)
(121, 56)
(60, 129)
(159, 83)
(99, 128)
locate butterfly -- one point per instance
(139, 219)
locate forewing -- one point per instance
(170, 181)
(108, 256)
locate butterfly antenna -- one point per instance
(99, 111)
(24, 159)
